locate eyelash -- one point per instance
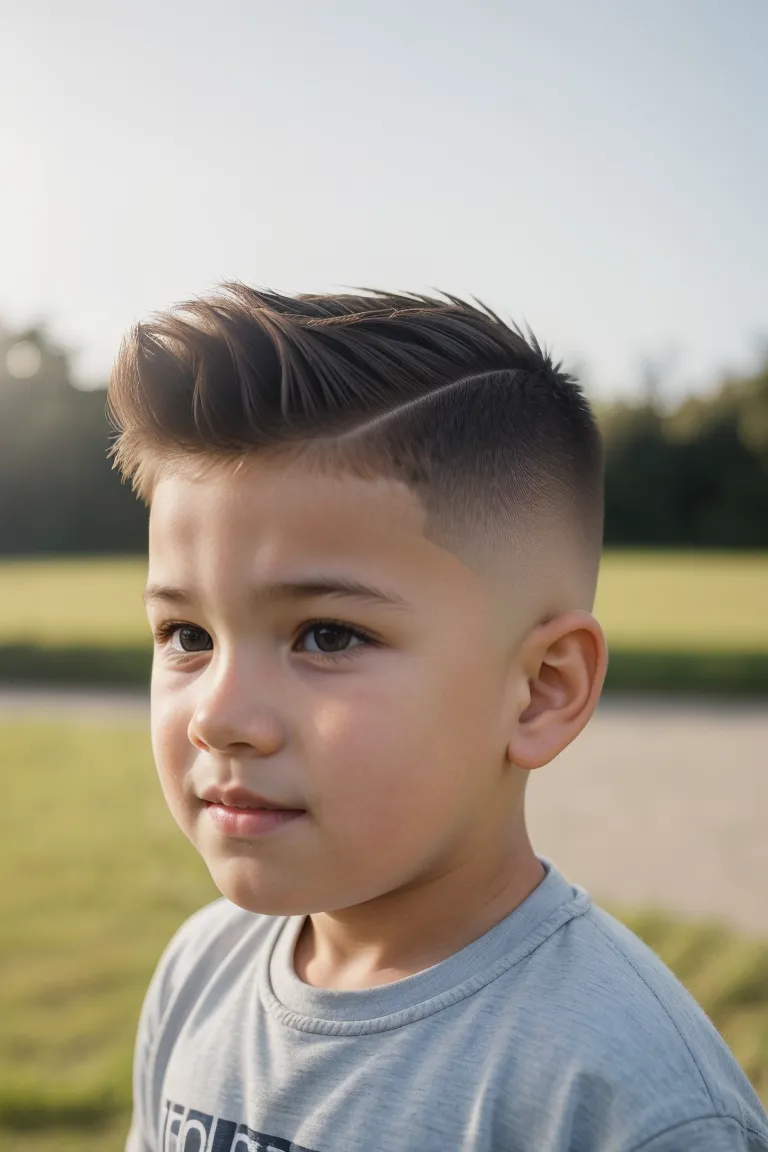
(164, 632)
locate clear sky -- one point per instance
(596, 167)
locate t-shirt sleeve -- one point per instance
(143, 1136)
(707, 1134)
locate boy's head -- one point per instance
(415, 446)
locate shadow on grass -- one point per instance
(85, 666)
(33, 1108)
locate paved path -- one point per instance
(117, 704)
(658, 804)
(663, 805)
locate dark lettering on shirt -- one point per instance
(189, 1130)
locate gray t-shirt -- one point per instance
(557, 1030)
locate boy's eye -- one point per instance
(331, 638)
(190, 638)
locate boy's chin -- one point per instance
(242, 881)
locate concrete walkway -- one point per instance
(655, 804)
(663, 805)
(109, 704)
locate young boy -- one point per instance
(375, 531)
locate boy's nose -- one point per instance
(232, 715)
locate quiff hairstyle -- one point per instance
(473, 416)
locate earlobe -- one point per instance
(565, 661)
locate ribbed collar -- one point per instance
(330, 1011)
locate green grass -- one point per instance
(73, 602)
(692, 602)
(646, 601)
(101, 878)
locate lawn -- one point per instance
(646, 600)
(63, 602)
(687, 601)
(101, 878)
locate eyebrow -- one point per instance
(293, 590)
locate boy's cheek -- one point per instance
(171, 748)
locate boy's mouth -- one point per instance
(237, 797)
(244, 821)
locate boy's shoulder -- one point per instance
(632, 1026)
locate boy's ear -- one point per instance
(564, 663)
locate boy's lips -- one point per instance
(242, 814)
(237, 797)
(246, 823)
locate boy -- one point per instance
(375, 531)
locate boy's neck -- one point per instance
(410, 930)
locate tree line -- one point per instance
(696, 476)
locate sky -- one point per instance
(597, 169)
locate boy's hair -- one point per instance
(442, 394)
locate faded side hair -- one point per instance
(432, 390)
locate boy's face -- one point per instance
(393, 746)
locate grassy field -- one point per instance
(62, 602)
(694, 601)
(101, 878)
(646, 600)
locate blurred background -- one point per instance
(598, 170)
